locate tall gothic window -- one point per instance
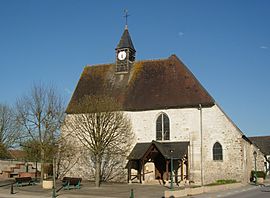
(163, 127)
(217, 151)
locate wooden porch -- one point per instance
(167, 157)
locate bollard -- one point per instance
(53, 193)
(131, 194)
(11, 189)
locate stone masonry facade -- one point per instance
(186, 124)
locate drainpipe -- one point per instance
(200, 108)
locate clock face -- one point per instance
(122, 55)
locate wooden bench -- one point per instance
(65, 181)
(68, 182)
(23, 180)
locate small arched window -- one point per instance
(217, 151)
(163, 127)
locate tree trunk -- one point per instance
(42, 165)
(98, 171)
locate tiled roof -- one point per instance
(262, 142)
(150, 85)
(179, 149)
(139, 150)
(17, 154)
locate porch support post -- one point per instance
(143, 170)
(139, 171)
(167, 170)
(129, 172)
(176, 172)
(182, 170)
(187, 170)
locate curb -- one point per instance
(199, 190)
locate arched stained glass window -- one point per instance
(217, 151)
(163, 127)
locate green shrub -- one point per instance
(260, 174)
(226, 181)
(222, 181)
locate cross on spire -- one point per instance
(126, 16)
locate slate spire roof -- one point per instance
(125, 41)
(150, 85)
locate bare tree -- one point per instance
(66, 157)
(32, 150)
(8, 130)
(104, 131)
(40, 114)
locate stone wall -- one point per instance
(237, 160)
(184, 126)
(217, 127)
(183, 123)
(76, 163)
(13, 168)
(79, 162)
(187, 124)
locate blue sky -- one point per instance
(225, 43)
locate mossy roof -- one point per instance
(179, 149)
(150, 85)
(262, 142)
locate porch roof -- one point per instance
(179, 149)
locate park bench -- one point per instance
(24, 180)
(65, 180)
(68, 182)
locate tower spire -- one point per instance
(125, 51)
(126, 16)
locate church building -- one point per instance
(181, 133)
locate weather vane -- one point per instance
(126, 16)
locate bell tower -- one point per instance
(125, 51)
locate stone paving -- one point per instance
(88, 190)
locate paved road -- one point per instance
(88, 190)
(111, 190)
(245, 192)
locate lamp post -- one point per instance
(55, 145)
(54, 183)
(255, 172)
(171, 186)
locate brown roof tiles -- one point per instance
(154, 84)
(262, 142)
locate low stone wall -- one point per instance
(12, 168)
(29, 174)
(5, 164)
(199, 190)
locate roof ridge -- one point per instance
(98, 65)
(152, 60)
(138, 61)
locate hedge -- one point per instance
(260, 174)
